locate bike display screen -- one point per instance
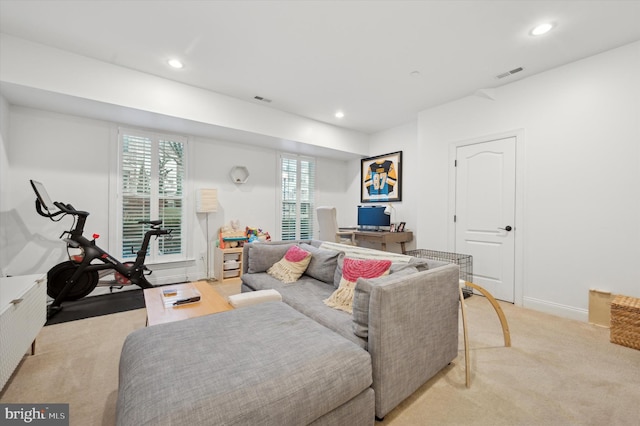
(43, 196)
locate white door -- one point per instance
(485, 213)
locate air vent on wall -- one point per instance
(260, 98)
(508, 73)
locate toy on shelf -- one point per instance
(257, 234)
(231, 235)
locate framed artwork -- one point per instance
(381, 178)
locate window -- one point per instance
(297, 207)
(151, 186)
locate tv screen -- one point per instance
(43, 196)
(372, 217)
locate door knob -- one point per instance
(506, 228)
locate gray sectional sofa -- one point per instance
(407, 321)
(296, 362)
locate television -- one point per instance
(43, 196)
(372, 218)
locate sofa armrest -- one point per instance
(413, 332)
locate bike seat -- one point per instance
(152, 222)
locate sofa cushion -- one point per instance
(353, 269)
(264, 281)
(264, 364)
(291, 266)
(323, 263)
(307, 295)
(362, 294)
(262, 256)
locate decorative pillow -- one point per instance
(352, 269)
(412, 263)
(291, 266)
(323, 263)
(262, 256)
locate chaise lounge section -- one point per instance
(261, 365)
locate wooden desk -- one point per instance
(212, 302)
(385, 237)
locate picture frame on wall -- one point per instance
(381, 178)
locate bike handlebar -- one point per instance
(69, 209)
(42, 213)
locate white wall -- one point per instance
(71, 155)
(581, 188)
(4, 179)
(401, 138)
(333, 179)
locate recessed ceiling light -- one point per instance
(541, 29)
(339, 114)
(175, 63)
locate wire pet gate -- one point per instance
(464, 261)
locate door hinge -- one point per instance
(454, 218)
(455, 163)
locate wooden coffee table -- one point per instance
(211, 302)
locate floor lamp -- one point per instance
(207, 202)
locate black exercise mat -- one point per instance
(95, 306)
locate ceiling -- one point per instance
(312, 58)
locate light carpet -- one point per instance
(557, 372)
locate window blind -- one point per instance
(170, 202)
(297, 209)
(136, 191)
(152, 184)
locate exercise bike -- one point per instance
(79, 276)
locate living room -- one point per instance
(578, 151)
(577, 146)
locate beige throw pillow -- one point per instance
(291, 267)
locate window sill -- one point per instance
(170, 264)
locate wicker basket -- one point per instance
(625, 321)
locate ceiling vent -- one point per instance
(260, 98)
(508, 73)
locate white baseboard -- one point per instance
(557, 309)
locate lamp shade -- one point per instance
(207, 200)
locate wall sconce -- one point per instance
(239, 174)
